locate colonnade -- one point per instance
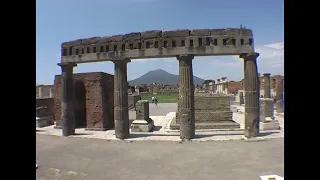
(186, 97)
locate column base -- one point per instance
(142, 126)
(270, 124)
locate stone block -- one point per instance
(142, 109)
(151, 34)
(266, 108)
(132, 100)
(132, 36)
(200, 32)
(176, 33)
(269, 125)
(142, 126)
(42, 111)
(88, 41)
(71, 43)
(44, 121)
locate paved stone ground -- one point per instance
(162, 132)
(64, 158)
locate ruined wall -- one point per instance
(241, 39)
(98, 99)
(234, 87)
(45, 90)
(47, 102)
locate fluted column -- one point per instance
(186, 97)
(266, 85)
(252, 93)
(67, 108)
(279, 95)
(121, 111)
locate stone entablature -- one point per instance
(157, 44)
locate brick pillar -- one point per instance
(252, 93)
(67, 108)
(279, 95)
(186, 97)
(266, 85)
(121, 111)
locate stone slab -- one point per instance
(44, 121)
(142, 126)
(269, 125)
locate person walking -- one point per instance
(155, 101)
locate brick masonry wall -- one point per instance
(99, 95)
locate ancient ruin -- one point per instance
(267, 118)
(143, 122)
(211, 112)
(90, 104)
(182, 44)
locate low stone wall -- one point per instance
(47, 102)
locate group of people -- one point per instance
(155, 101)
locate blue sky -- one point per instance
(64, 20)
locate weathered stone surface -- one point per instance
(241, 98)
(117, 38)
(186, 98)
(269, 125)
(151, 34)
(218, 32)
(42, 111)
(72, 43)
(92, 40)
(266, 108)
(266, 85)
(94, 105)
(176, 33)
(67, 108)
(142, 110)
(142, 126)
(132, 36)
(44, 121)
(47, 102)
(252, 95)
(121, 111)
(105, 39)
(132, 100)
(279, 95)
(200, 32)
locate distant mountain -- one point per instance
(160, 76)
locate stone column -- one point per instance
(67, 108)
(186, 94)
(241, 98)
(40, 91)
(252, 94)
(279, 95)
(266, 85)
(51, 92)
(121, 111)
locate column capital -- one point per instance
(266, 74)
(185, 57)
(68, 64)
(127, 60)
(249, 56)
